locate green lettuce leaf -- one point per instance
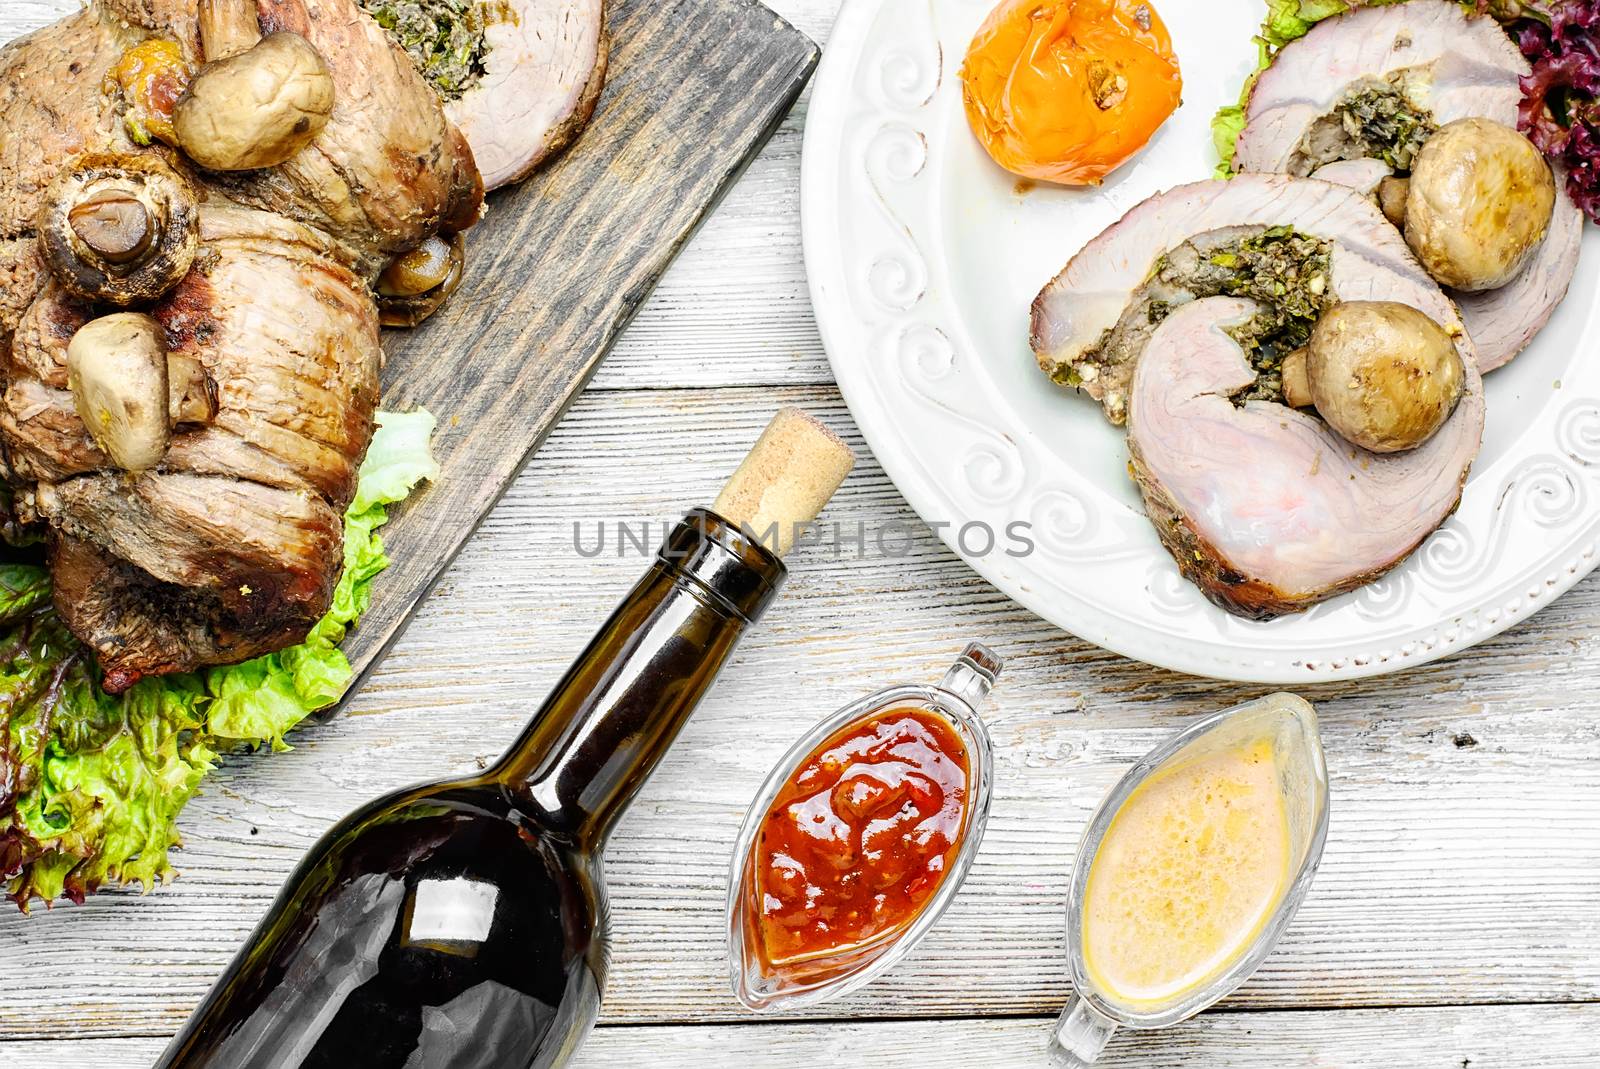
(23, 588)
(397, 460)
(91, 785)
(260, 701)
(106, 776)
(1226, 126)
(1289, 20)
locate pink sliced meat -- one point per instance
(1452, 65)
(545, 69)
(1074, 312)
(1263, 507)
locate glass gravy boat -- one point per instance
(1290, 723)
(798, 984)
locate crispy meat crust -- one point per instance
(232, 546)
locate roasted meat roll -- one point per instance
(197, 199)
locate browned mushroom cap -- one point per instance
(417, 283)
(1478, 204)
(1384, 375)
(119, 229)
(258, 108)
(117, 371)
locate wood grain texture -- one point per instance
(564, 260)
(1463, 862)
(1500, 1037)
(1458, 871)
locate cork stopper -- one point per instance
(785, 479)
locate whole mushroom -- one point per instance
(117, 371)
(130, 392)
(121, 230)
(257, 108)
(1478, 203)
(1381, 374)
(416, 283)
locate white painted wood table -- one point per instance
(1455, 923)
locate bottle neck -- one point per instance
(613, 715)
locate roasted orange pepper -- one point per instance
(1067, 90)
(151, 77)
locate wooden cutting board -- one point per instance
(562, 262)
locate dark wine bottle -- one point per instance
(462, 924)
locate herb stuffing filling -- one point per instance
(1284, 271)
(1373, 120)
(444, 38)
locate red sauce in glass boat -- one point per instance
(862, 835)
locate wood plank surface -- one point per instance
(563, 261)
(1462, 860)
(1495, 1037)
(1464, 854)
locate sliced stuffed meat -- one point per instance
(1199, 316)
(1265, 508)
(520, 78)
(1371, 83)
(1377, 84)
(1253, 236)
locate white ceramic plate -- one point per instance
(923, 259)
